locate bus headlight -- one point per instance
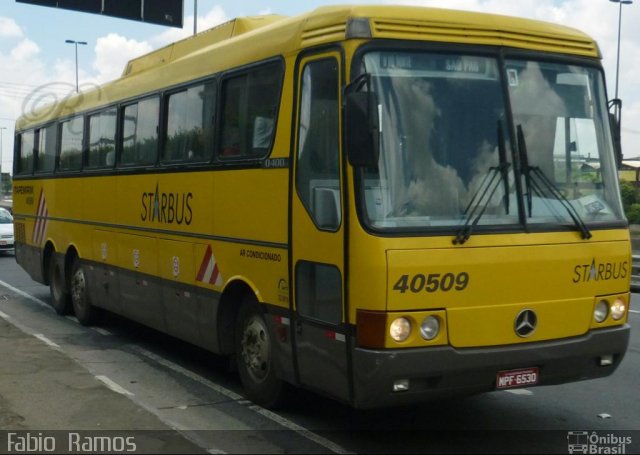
(430, 328)
(618, 309)
(602, 311)
(400, 329)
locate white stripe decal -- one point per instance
(41, 222)
(209, 271)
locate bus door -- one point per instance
(317, 230)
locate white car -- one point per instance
(6, 231)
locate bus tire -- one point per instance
(86, 313)
(255, 357)
(60, 298)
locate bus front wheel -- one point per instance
(255, 357)
(84, 310)
(60, 299)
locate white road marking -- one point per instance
(113, 386)
(282, 421)
(524, 392)
(190, 374)
(5, 316)
(46, 340)
(25, 295)
(73, 318)
(101, 331)
(634, 311)
(324, 442)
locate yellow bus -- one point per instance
(381, 204)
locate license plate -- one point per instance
(517, 378)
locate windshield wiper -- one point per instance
(481, 198)
(532, 184)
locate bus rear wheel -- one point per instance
(86, 313)
(255, 357)
(60, 299)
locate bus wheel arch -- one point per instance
(244, 332)
(47, 255)
(57, 278)
(69, 259)
(230, 301)
(85, 312)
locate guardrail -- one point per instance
(635, 274)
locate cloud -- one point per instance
(112, 54)
(25, 50)
(213, 17)
(9, 28)
(114, 51)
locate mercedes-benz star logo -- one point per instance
(526, 322)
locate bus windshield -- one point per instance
(446, 155)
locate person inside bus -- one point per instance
(230, 141)
(262, 132)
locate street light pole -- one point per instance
(621, 2)
(195, 17)
(2, 128)
(82, 43)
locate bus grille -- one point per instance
(18, 231)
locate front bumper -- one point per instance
(7, 244)
(441, 372)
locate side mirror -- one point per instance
(361, 123)
(615, 119)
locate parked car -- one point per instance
(6, 231)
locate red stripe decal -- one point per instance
(205, 264)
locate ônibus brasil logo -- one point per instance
(593, 443)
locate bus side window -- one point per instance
(140, 132)
(319, 291)
(318, 170)
(248, 108)
(47, 141)
(102, 139)
(71, 135)
(24, 163)
(189, 124)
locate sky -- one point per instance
(36, 64)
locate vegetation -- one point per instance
(631, 201)
(6, 184)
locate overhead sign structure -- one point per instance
(161, 12)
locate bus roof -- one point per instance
(233, 44)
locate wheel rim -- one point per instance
(78, 288)
(256, 349)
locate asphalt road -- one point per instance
(154, 382)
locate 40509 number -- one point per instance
(433, 282)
